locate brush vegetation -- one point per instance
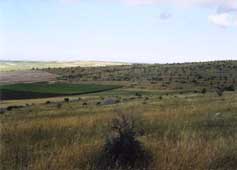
(162, 76)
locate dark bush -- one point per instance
(9, 108)
(84, 104)
(138, 94)
(122, 149)
(204, 90)
(230, 88)
(220, 91)
(66, 99)
(47, 102)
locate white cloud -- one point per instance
(226, 10)
(225, 16)
(223, 19)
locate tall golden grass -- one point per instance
(183, 133)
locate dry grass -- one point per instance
(181, 133)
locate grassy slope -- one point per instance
(182, 132)
(160, 76)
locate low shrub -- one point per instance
(220, 91)
(122, 149)
(66, 99)
(47, 102)
(9, 108)
(230, 88)
(204, 90)
(138, 94)
(146, 98)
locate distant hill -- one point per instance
(178, 76)
(6, 65)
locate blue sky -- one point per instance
(118, 30)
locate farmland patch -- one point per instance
(41, 90)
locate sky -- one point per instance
(150, 31)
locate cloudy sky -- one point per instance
(118, 30)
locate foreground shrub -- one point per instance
(122, 149)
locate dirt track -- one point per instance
(25, 77)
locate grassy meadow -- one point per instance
(182, 131)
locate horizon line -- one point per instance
(203, 61)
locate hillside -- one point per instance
(171, 76)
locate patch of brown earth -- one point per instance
(27, 76)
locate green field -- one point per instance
(38, 90)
